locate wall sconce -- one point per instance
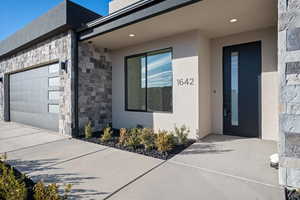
(63, 66)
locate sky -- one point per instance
(15, 14)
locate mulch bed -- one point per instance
(140, 150)
(292, 194)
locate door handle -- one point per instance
(226, 112)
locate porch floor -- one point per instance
(218, 167)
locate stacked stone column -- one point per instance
(289, 72)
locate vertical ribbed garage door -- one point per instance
(34, 96)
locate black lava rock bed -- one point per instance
(140, 149)
(292, 194)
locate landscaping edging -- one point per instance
(140, 150)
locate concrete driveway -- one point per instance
(219, 167)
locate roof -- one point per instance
(67, 15)
(134, 13)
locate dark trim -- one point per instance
(65, 16)
(50, 34)
(75, 132)
(6, 98)
(146, 83)
(152, 9)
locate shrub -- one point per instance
(123, 136)
(50, 192)
(164, 141)
(148, 138)
(133, 139)
(181, 134)
(11, 187)
(88, 131)
(107, 135)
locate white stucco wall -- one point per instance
(185, 98)
(204, 73)
(269, 79)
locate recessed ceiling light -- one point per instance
(233, 20)
(131, 35)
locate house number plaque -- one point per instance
(185, 82)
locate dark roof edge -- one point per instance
(66, 15)
(40, 39)
(137, 12)
(117, 13)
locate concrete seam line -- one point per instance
(10, 128)
(134, 180)
(77, 157)
(32, 146)
(225, 174)
(26, 134)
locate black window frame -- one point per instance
(146, 79)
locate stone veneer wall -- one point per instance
(94, 87)
(58, 48)
(289, 71)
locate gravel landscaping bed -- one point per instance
(139, 149)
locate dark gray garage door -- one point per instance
(34, 96)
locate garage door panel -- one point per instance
(29, 98)
(35, 119)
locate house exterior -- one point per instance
(218, 67)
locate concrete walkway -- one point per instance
(219, 167)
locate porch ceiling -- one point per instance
(209, 16)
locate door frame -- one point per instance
(259, 86)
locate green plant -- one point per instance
(107, 134)
(133, 139)
(123, 136)
(148, 138)
(11, 187)
(88, 131)
(181, 134)
(50, 192)
(164, 141)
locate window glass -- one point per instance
(54, 68)
(136, 91)
(159, 81)
(234, 89)
(54, 82)
(54, 95)
(149, 82)
(53, 108)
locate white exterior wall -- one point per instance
(269, 79)
(116, 5)
(200, 107)
(204, 86)
(185, 98)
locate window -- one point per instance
(234, 88)
(53, 108)
(53, 95)
(54, 68)
(149, 82)
(54, 82)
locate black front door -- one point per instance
(241, 86)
